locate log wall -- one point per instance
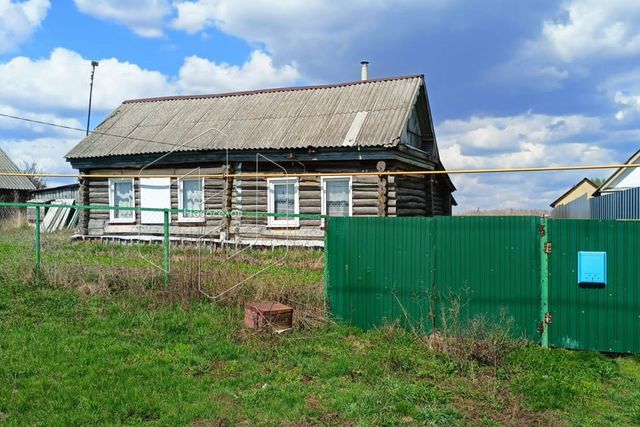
(371, 196)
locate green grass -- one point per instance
(71, 358)
(67, 360)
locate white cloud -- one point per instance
(624, 92)
(62, 82)
(18, 20)
(524, 140)
(585, 33)
(512, 136)
(317, 34)
(11, 124)
(594, 28)
(199, 75)
(144, 17)
(629, 104)
(47, 152)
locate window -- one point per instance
(121, 195)
(414, 138)
(191, 197)
(283, 199)
(336, 196)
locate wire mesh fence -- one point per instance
(155, 252)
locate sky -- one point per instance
(511, 84)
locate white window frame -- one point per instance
(323, 193)
(181, 217)
(112, 212)
(273, 221)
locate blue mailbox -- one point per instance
(592, 269)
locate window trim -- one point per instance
(273, 221)
(181, 217)
(112, 212)
(323, 193)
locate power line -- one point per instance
(97, 132)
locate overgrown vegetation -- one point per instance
(12, 219)
(130, 352)
(481, 341)
(231, 276)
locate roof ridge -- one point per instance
(566, 193)
(271, 90)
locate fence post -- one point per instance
(544, 283)
(165, 241)
(325, 303)
(37, 242)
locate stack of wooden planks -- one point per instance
(60, 218)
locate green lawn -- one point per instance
(123, 357)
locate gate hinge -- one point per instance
(543, 231)
(548, 317)
(547, 247)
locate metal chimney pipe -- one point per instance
(364, 70)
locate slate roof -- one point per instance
(12, 182)
(370, 113)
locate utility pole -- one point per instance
(94, 64)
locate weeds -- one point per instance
(196, 273)
(478, 339)
(12, 218)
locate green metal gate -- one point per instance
(603, 319)
(493, 265)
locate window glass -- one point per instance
(123, 197)
(191, 197)
(284, 198)
(413, 130)
(337, 197)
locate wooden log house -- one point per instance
(327, 133)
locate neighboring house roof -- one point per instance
(585, 186)
(635, 158)
(12, 182)
(74, 186)
(371, 113)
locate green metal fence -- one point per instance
(378, 270)
(415, 270)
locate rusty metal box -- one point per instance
(268, 315)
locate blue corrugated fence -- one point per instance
(619, 205)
